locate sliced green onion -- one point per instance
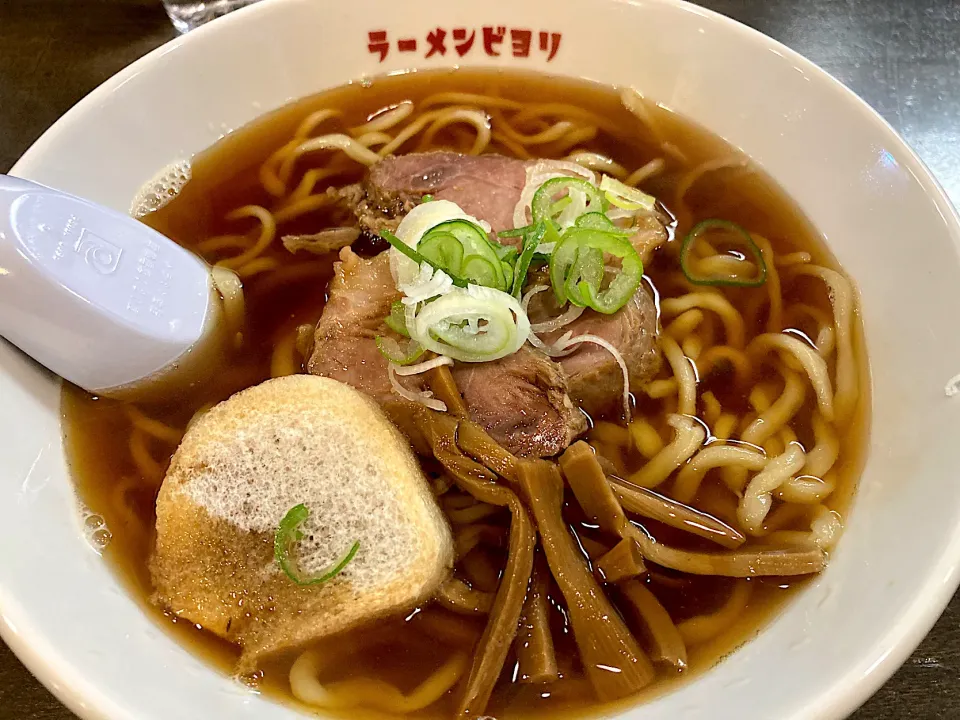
(417, 257)
(395, 320)
(551, 235)
(599, 221)
(288, 533)
(531, 241)
(516, 232)
(742, 236)
(562, 258)
(508, 255)
(543, 202)
(626, 197)
(473, 325)
(443, 249)
(507, 273)
(557, 207)
(587, 268)
(426, 198)
(577, 269)
(474, 242)
(470, 235)
(397, 353)
(482, 271)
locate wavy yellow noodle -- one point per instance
(659, 389)
(147, 465)
(725, 426)
(775, 315)
(645, 438)
(711, 408)
(301, 207)
(461, 98)
(645, 172)
(779, 413)
(384, 119)
(159, 430)
(257, 267)
(223, 242)
(714, 456)
(268, 231)
(825, 336)
(375, 694)
(808, 358)
(285, 360)
(684, 324)
(683, 371)
(843, 299)
(807, 489)
(335, 141)
(730, 317)
(598, 163)
(692, 346)
(757, 498)
(688, 438)
(478, 120)
(694, 175)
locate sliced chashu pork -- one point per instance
(484, 186)
(594, 378)
(521, 400)
(488, 187)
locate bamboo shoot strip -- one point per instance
(611, 657)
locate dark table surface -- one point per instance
(901, 56)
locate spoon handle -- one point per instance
(95, 295)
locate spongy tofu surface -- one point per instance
(239, 470)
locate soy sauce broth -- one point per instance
(98, 431)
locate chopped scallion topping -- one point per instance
(626, 197)
(396, 320)
(396, 353)
(577, 269)
(417, 257)
(288, 533)
(515, 232)
(544, 206)
(726, 234)
(531, 241)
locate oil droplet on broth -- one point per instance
(95, 530)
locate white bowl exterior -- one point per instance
(884, 217)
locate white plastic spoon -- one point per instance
(100, 298)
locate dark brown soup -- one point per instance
(119, 452)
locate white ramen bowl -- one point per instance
(67, 617)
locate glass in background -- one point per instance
(189, 14)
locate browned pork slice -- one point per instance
(485, 186)
(651, 233)
(488, 187)
(520, 400)
(594, 376)
(345, 349)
